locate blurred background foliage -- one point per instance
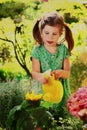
(20, 15)
(17, 18)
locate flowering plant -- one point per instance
(30, 115)
(32, 96)
(33, 99)
(77, 103)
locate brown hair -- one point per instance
(53, 19)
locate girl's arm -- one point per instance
(63, 73)
(36, 74)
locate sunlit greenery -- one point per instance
(75, 15)
(11, 96)
(23, 13)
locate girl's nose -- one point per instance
(50, 36)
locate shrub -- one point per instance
(31, 114)
(2, 75)
(6, 76)
(11, 94)
(78, 74)
(84, 82)
(11, 9)
(70, 123)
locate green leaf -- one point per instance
(11, 116)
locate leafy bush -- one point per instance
(27, 116)
(84, 82)
(6, 76)
(11, 94)
(31, 114)
(73, 11)
(78, 74)
(9, 76)
(10, 71)
(4, 53)
(2, 75)
(70, 123)
(11, 9)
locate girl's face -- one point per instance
(50, 35)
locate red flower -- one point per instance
(77, 101)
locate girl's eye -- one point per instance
(54, 33)
(46, 33)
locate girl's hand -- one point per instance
(57, 74)
(43, 79)
(46, 76)
(61, 74)
(40, 77)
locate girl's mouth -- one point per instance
(50, 42)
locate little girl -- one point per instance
(51, 53)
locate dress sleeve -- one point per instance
(66, 52)
(35, 53)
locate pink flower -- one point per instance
(77, 101)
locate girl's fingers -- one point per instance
(52, 73)
(56, 77)
(45, 81)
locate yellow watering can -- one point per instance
(53, 90)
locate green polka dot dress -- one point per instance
(53, 62)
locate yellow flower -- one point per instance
(53, 90)
(32, 96)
